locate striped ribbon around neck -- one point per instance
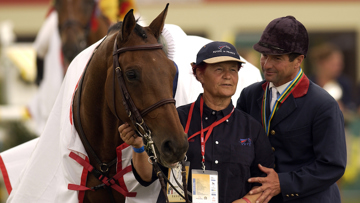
(267, 120)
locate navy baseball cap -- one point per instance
(215, 52)
(283, 35)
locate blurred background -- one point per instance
(332, 62)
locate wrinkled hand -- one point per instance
(128, 135)
(270, 185)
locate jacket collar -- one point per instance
(300, 90)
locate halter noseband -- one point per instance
(132, 111)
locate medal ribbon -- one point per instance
(209, 129)
(266, 121)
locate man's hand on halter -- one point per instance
(128, 135)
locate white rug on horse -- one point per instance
(49, 170)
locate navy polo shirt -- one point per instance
(234, 149)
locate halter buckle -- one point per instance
(149, 159)
(151, 143)
(140, 129)
(104, 168)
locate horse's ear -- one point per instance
(128, 25)
(157, 24)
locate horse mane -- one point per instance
(117, 27)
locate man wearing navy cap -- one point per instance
(303, 122)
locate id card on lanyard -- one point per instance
(204, 186)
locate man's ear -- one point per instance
(200, 75)
(299, 60)
(194, 69)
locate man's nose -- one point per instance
(267, 63)
(227, 73)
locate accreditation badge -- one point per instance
(204, 186)
(175, 178)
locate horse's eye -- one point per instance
(131, 75)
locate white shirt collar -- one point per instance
(281, 88)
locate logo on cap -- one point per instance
(216, 52)
(221, 49)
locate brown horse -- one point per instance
(80, 25)
(147, 74)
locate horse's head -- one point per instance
(148, 76)
(74, 23)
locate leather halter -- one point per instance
(132, 111)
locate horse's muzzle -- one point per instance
(173, 150)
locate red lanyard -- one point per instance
(203, 138)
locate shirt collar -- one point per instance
(208, 110)
(299, 91)
(280, 88)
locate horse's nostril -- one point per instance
(168, 147)
(174, 151)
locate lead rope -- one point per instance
(162, 178)
(183, 173)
